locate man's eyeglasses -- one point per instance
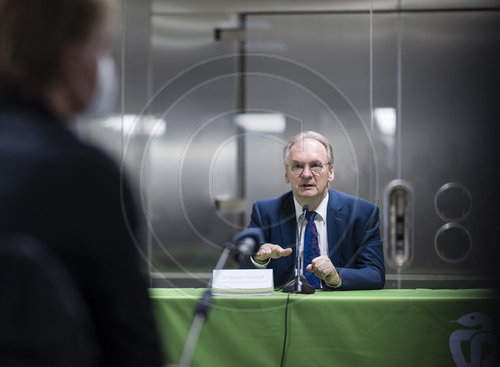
(315, 167)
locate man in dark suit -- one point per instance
(348, 235)
(62, 191)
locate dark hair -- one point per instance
(33, 34)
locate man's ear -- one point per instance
(287, 180)
(331, 173)
(78, 74)
(64, 93)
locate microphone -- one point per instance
(299, 268)
(247, 243)
(244, 243)
(299, 284)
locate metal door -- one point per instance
(408, 101)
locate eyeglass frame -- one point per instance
(310, 168)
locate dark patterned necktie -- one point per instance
(311, 249)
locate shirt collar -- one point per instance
(320, 210)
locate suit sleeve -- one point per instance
(365, 268)
(255, 222)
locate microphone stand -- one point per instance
(200, 314)
(245, 243)
(299, 284)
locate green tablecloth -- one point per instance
(351, 328)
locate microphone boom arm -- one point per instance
(245, 243)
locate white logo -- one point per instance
(477, 341)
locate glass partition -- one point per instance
(209, 98)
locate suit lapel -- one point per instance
(288, 227)
(335, 227)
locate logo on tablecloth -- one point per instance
(475, 345)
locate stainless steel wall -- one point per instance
(437, 73)
(406, 94)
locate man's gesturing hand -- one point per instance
(268, 250)
(324, 270)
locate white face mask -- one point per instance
(104, 96)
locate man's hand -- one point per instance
(324, 270)
(268, 250)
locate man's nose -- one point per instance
(307, 171)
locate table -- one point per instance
(388, 327)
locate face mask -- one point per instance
(103, 99)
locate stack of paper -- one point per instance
(245, 282)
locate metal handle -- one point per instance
(398, 223)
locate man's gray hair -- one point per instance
(308, 135)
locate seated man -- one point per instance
(342, 245)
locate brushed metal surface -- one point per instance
(440, 74)
(438, 70)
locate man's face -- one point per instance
(81, 66)
(308, 186)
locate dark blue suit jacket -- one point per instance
(71, 197)
(354, 243)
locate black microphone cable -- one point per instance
(286, 331)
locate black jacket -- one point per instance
(71, 197)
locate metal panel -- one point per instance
(328, 93)
(450, 78)
(194, 84)
(276, 6)
(174, 134)
(437, 72)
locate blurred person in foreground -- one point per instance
(342, 245)
(60, 190)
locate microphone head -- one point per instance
(247, 243)
(305, 208)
